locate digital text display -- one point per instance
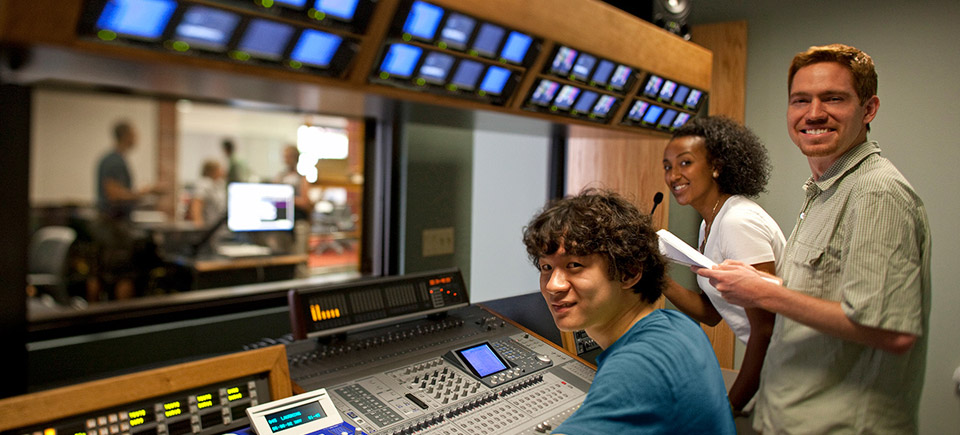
(482, 360)
(293, 417)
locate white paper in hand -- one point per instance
(679, 251)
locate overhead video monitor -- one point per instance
(265, 39)
(652, 88)
(457, 30)
(563, 61)
(206, 28)
(467, 74)
(653, 114)
(516, 48)
(566, 97)
(637, 110)
(487, 42)
(680, 95)
(585, 102)
(400, 60)
(139, 19)
(259, 207)
(545, 92)
(495, 80)
(316, 48)
(621, 76)
(681, 119)
(423, 20)
(436, 67)
(603, 106)
(666, 121)
(667, 90)
(583, 66)
(601, 76)
(693, 100)
(343, 10)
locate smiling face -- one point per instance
(825, 118)
(688, 173)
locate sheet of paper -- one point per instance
(679, 251)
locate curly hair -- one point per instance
(600, 222)
(736, 153)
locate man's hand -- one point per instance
(740, 283)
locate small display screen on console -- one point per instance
(482, 360)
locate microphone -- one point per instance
(656, 201)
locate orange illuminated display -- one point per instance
(318, 314)
(438, 281)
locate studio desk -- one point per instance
(395, 355)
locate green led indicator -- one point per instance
(384, 75)
(180, 46)
(574, 112)
(503, 61)
(296, 64)
(321, 15)
(592, 116)
(452, 87)
(421, 82)
(442, 45)
(474, 53)
(107, 35)
(593, 83)
(406, 37)
(240, 55)
(267, 3)
(482, 93)
(571, 77)
(553, 108)
(609, 87)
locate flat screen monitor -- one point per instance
(652, 88)
(680, 95)
(266, 39)
(436, 67)
(566, 97)
(206, 28)
(667, 90)
(316, 48)
(563, 61)
(583, 66)
(400, 60)
(423, 20)
(495, 80)
(457, 30)
(666, 121)
(693, 100)
(343, 10)
(621, 76)
(601, 76)
(637, 110)
(516, 47)
(259, 207)
(681, 119)
(467, 74)
(489, 37)
(585, 102)
(544, 92)
(603, 106)
(653, 114)
(145, 19)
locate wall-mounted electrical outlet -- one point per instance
(437, 241)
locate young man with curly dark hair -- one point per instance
(601, 271)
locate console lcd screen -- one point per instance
(585, 63)
(206, 28)
(680, 95)
(585, 102)
(457, 30)
(495, 80)
(544, 93)
(653, 85)
(604, 105)
(266, 39)
(666, 92)
(292, 3)
(515, 50)
(423, 20)
(566, 97)
(400, 60)
(667, 119)
(653, 114)
(637, 110)
(620, 77)
(436, 67)
(693, 99)
(293, 417)
(682, 118)
(482, 360)
(259, 207)
(602, 74)
(563, 61)
(142, 19)
(316, 48)
(341, 9)
(488, 39)
(467, 74)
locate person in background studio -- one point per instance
(302, 205)
(236, 169)
(849, 347)
(209, 203)
(714, 165)
(600, 271)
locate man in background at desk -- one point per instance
(848, 350)
(600, 271)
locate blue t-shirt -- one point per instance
(660, 377)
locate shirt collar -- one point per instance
(844, 164)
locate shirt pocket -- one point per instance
(807, 267)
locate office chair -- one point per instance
(47, 261)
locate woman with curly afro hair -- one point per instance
(715, 165)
